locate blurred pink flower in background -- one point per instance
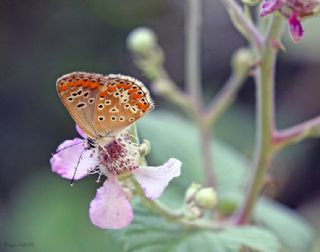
(294, 11)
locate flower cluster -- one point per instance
(111, 208)
(294, 11)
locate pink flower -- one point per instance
(295, 26)
(111, 208)
(293, 10)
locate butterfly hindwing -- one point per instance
(120, 102)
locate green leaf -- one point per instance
(172, 136)
(151, 233)
(292, 230)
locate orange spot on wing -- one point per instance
(85, 84)
(78, 83)
(62, 88)
(94, 85)
(103, 93)
(127, 86)
(111, 88)
(131, 91)
(142, 106)
(136, 96)
(71, 84)
(120, 85)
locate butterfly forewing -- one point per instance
(120, 102)
(78, 92)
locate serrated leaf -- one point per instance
(151, 233)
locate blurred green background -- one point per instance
(42, 40)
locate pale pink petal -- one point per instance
(296, 29)
(110, 208)
(269, 6)
(154, 180)
(65, 160)
(80, 131)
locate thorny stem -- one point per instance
(265, 120)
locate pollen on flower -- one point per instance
(120, 155)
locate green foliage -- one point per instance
(55, 216)
(293, 231)
(174, 137)
(151, 233)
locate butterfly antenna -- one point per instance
(69, 146)
(76, 168)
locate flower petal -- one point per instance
(296, 30)
(110, 208)
(65, 160)
(80, 131)
(269, 6)
(154, 180)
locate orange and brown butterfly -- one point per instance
(102, 106)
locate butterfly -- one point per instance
(103, 106)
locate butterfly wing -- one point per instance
(78, 92)
(121, 102)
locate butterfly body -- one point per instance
(102, 106)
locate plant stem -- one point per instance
(193, 80)
(243, 24)
(192, 49)
(206, 148)
(224, 98)
(297, 133)
(265, 120)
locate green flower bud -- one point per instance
(242, 60)
(251, 2)
(206, 198)
(141, 40)
(191, 191)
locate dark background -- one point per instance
(42, 40)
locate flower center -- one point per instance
(120, 155)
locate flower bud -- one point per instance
(251, 2)
(206, 198)
(141, 40)
(242, 60)
(191, 191)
